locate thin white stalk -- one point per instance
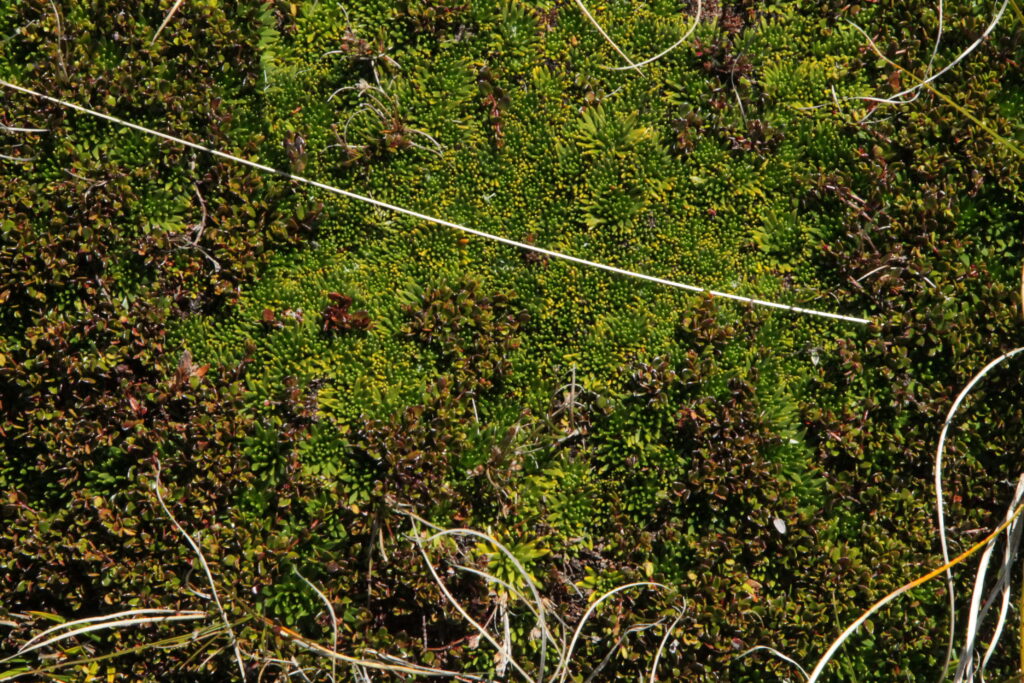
(13, 129)
(938, 38)
(683, 39)
(107, 617)
(361, 109)
(899, 98)
(852, 628)
(592, 20)
(929, 69)
(116, 623)
(60, 40)
(438, 145)
(505, 656)
(518, 594)
(965, 669)
(167, 20)
(334, 619)
(564, 664)
(939, 505)
(171, 643)
(661, 647)
(300, 671)
(206, 568)
(283, 664)
(419, 667)
(540, 611)
(465, 615)
(638, 628)
(439, 221)
(1003, 583)
(976, 615)
(397, 664)
(872, 272)
(773, 651)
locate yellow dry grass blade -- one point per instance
(167, 19)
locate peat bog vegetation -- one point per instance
(246, 423)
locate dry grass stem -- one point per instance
(940, 505)
(440, 221)
(976, 617)
(484, 633)
(330, 612)
(564, 664)
(661, 646)
(206, 569)
(900, 97)
(167, 19)
(604, 34)
(852, 628)
(102, 624)
(683, 39)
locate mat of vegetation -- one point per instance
(315, 379)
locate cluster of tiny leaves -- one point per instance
(307, 369)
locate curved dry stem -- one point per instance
(165, 644)
(400, 665)
(106, 617)
(773, 651)
(939, 506)
(60, 40)
(592, 20)
(540, 611)
(935, 52)
(440, 148)
(900, 97)
(661, 646)
(638, 628)
(564, 664)
(348, 122)
(334, 619)
(116, 623)
(683, 39)
(290, 666)
(975, 618)
(206, 568)
(1009, 144)
(167, 19)
(844, 636)
(465, 615)
(546, 633)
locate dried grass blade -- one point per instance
(940, 506)
(564, 664)
(938, 571)
(976, 615)
(107, 617)
(683, 39)
(167, 19)
(117, 623)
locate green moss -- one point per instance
(309, 368)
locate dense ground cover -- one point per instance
(306, 372)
